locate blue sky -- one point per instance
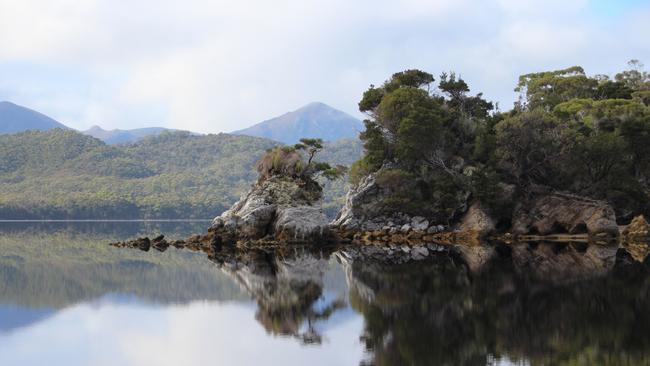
(220, 65)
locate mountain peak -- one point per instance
(316, 119)
(15, 118)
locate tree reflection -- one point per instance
(286, 286)
(436, 314)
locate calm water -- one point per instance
(67, 298)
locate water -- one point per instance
(67, 298)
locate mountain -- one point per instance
(63, 174)
(123, 136)
(313, 120)
(15, 118)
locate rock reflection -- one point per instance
(286, 285)
(538, 302)
(436, 313)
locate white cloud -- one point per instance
(215, 66)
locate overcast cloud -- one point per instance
(220, 65)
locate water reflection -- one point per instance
(286, 287)
(68, 298)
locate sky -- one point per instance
(220, 65)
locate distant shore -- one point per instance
(116, 220)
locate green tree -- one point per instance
(550, 88)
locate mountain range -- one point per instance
(316, 120)
(123, 136)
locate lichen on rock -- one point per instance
(557, 213)
(281, 208)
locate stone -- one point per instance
(368, 200)
(280, 208)
(476, 220)
(405, 228)
(559, 213)
(419, 223)
(432, 229)
(303, 222)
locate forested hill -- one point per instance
(63, 174)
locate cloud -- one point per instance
(213, 66)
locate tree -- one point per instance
(532, 147)
(635, 78)
(287, 161)
(550, 88)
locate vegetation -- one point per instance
(434, 147)
(62, 174)
(290, 161)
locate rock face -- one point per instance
(477, 221)
(366, 210)
(558, 213)
(277, 208)
(361, 202)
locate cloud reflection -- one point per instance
(197, 333)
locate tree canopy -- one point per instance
(569, 131)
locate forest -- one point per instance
(62, 174)
(435, 146)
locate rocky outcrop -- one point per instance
(558, 213)
(277, 208)
(363, 202)
(476, 223)
(366, 213)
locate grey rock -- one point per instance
(419, 223)
(548, 213)
(280, 208)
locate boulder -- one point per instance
(477, 221)
(559, 213)
(419, 223)
(300, 223)
(276, 208)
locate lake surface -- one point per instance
(68, 298)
